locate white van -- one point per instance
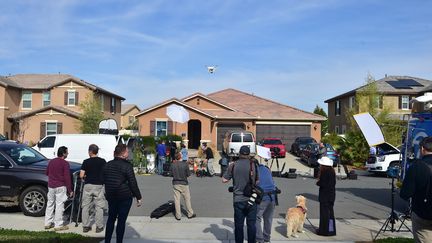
(235, 139)
(77, 145)
(387, 156)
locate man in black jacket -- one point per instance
(120, 187)
(415, 184)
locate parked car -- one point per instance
(2, 138)
(387, 156)
(300, 143)
(23, 181)
(77, 145)
(310, 154)
(275, 145)
(235, 139)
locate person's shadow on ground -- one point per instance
(221, 233)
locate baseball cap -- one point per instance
(244, 150)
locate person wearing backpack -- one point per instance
(417, 186)
(266, 207)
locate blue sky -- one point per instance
(299, 53)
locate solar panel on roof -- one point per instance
(404, 84)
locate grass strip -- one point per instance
(9, 235)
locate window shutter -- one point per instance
(409, 102)
(170, 127)
(400, 102)
(42, 130)
(335, 107)
(115, 105)
(76, 98)
(66, 98)
(59, 128)
(152, 128)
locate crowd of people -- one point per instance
(115, 182)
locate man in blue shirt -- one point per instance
(161, 152)
(267, 205)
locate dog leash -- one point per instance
(311, 223)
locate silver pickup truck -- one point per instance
(235, 139)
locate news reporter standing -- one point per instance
(120, 187)
(327, 194)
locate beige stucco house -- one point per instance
(396, 93)
(35, 105)
(128, 112)
(212, 115)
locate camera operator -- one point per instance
(417, 179)
(267, 205)
(240, 171)
(322, 150)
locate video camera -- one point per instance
(393, 171)
(275, 151)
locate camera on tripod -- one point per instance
(393, 172)
(275, 151)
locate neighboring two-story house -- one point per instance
(396, 93)
(128, 112)
(35, 105)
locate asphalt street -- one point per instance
(368, 197)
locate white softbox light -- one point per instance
(370, 129)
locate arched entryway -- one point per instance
(194, 133)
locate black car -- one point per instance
(300, 143)
(23, 180)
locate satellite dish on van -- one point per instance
(108, 126)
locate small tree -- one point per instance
(324, 125)
(91, 115)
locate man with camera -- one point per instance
(416, 186)
(242, 171)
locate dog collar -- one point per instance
(303, 209)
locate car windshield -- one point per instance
(247, 138)
(272, 141)
(23, 155)
(329, 147)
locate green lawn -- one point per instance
(8, 235)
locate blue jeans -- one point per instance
(241, 211)
(117, 209)
(161, 162)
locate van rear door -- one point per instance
(249, 141)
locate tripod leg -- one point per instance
(79, 203)
(383, 228)
(271, 164)
(277, 166)
(403, 224)
(73, 200)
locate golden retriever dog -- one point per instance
(295, 217)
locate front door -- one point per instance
(194, 134)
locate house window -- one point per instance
(337, 129)
(337, 108)
(46, 98)
(161, 128)
(71, 98)
(26, 99)
(351, 102)
(113, 105)
(343, 129)
(131, 119)
(51, 128)
(405, 102)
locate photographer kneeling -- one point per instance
(243, 172)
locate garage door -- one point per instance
(287, 133)
(222, 129)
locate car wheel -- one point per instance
(33, 201)
(397, 165)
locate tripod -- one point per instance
(279, 172)
(393, 217)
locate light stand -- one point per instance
(393, 217)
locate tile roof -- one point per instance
(261, 108)
(19, 115)
(125, 108)
(384, 87)
(47, 81)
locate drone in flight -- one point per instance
(211, 69)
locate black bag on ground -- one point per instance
(163, 210)
(166, 169)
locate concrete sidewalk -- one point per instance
(167, 229)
